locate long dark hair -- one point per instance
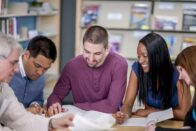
(160, 72)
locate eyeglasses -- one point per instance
(13, 63)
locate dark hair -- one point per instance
(42, 45)
(96, 35)
(187, 59)
(160, 70)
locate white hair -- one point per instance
(7, 43)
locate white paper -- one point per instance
(161, 115)
(151, 118)
(83, 124)
(135, 122)
(88, 120)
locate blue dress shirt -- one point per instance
(28, 91)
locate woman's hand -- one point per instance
(121, 117)
(146, 111)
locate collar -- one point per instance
(21, 67)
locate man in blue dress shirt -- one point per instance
(28, 83)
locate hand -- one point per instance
(121, 117)
(141, 112)
(55, 109)
(62, 123)
(150, 127)
(145, 112)
(35, 109)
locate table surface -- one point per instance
(167, 123)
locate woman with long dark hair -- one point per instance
(155, 79)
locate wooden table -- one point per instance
(168, 123)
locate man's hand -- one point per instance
(62, 123)
(55, 109)
(35, 109)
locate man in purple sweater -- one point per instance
(97, 78)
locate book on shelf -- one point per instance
(139, 16)
(188, 41)
(3, 6)
(115, 41)
(152, 118)
(12, 27)
(189, 17)
(88, 120)
(90, 15)
(9, 26)
(165, 22)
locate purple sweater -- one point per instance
(101, 89)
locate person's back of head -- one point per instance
(41, 45)
(96, 35)
(187, 59)
(7, 43)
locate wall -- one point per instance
(67, 46)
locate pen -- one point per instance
(119, 107)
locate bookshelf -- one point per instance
(129, 20)
(22, 21)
